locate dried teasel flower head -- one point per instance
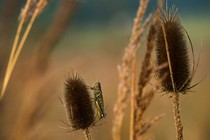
(77, 103)
(171, 48)
(30, 8)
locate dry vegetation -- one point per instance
(33, 88)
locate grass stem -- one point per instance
(16, 49)
(133, 97)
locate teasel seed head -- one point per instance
(77, 103)
(171, 39)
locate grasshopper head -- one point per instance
(97, 86)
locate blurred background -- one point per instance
(89, 37)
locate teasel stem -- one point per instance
(87, 134)
(177, 116)
(175, 94)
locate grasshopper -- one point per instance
(98, 99)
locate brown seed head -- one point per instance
(78, 104)
(177, 51)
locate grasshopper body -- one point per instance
(98, 99)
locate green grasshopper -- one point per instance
(98, 99)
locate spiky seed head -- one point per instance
(77, 103)
(178, 52)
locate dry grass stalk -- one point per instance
(133, 83)
(143, 98)
(124, 86)
(9, 11)
(34, 104)
(142, 101)
(16, 49)
(132, 104)
(30, 8)
(53, 34)
(7, 23)
(146, 69)
(32, 109)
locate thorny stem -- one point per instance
(175, 95)
(177, 116)
(87, 134)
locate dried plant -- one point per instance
(32, 109)
(55, 31)
(141, 99)
(174, 76)
(171, 33)
(7, 23)
(78, 105)
(35, 98)
(30, 8)
(16, 49)
(172, 48)
(125, 69)
(34, 105)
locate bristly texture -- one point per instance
(78, 104)
(171, 39)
